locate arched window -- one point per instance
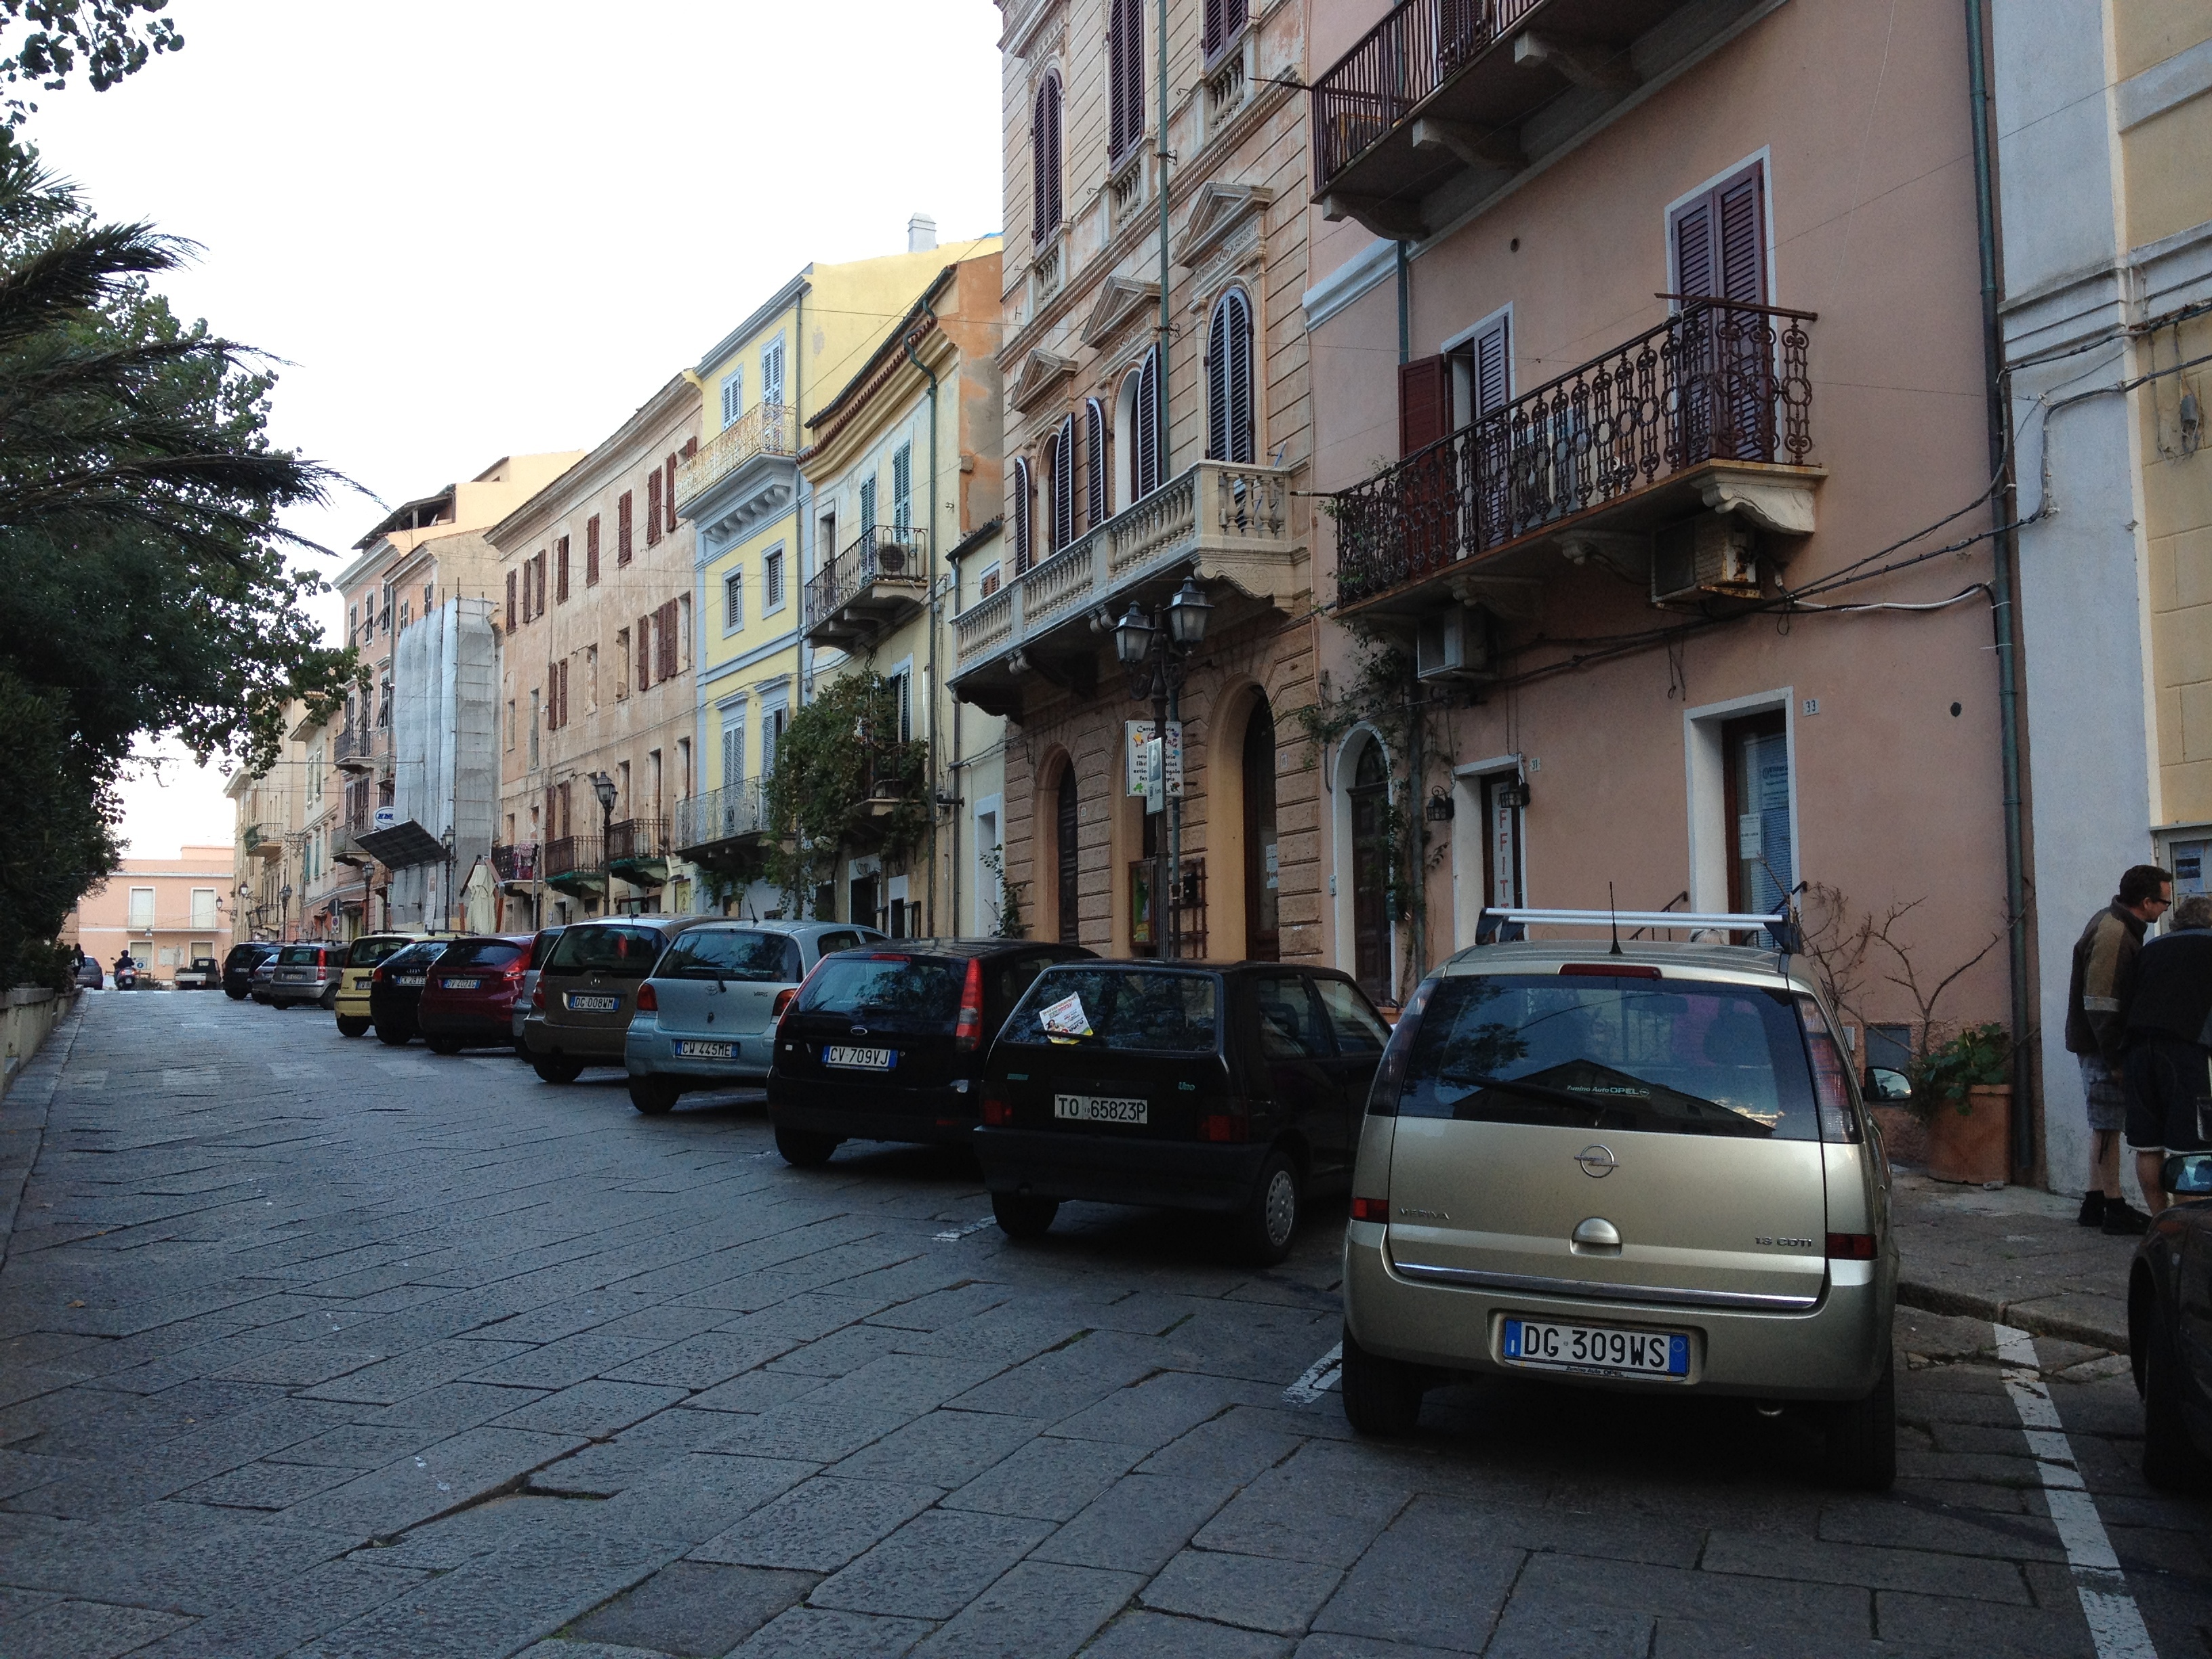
(1124, 77)
(1018, 508)
(1228, 380)
(1064, 852)
(1371, 872)
(1094, 463)
(1263, 938)
(1063, 484)
(1044, 159)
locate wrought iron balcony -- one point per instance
(874, 585)
(517, 864)
(573, 863)
(722, 828)
(1218, 520)
(637, 850)
(764, 430)
(352, 748)
(264, 841)
(1711, 409)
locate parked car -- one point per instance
(2170, 1329)
(201, 973)
(306, 973)
(1234, 1090)
(265, 976)
(706, 1018)
(90, 976)
(1645, 1171)
(354, 1012)
(540, 948)
(586, 992)
(395, 985)
(468, 998)
(237, 967)
(888, 1042)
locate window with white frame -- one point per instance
(733, 748)
(903, 490)
(772, 581)
(142, 907)
(733, 395)
(771, 366)
(202, 908)
(733, 600)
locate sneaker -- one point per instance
(2093, 1209)
(2122, 1221)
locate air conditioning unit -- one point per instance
(1704, 556)
(1458, 644)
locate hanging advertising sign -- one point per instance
(1144, 767)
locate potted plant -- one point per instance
(1963, 1092)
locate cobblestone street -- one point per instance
(316, 1346)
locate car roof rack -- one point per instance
(1509, 925)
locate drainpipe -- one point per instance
(1167, 944)
(1416, 899)
(2002, 610)
(935, 607)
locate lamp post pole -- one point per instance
(604, 787)
(1156, 650)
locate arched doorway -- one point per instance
(1064, 860)
(1263, 939)
(1370, 800)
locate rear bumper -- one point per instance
(648, 1051)
(1833, 1350)
(856, 1111)
(1178, 1175)
(592, 1046)
(295, 992)
(488, 1024)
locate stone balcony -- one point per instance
(745, 473)
(1220, 521)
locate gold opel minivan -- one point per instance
(1648, 1170)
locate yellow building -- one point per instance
(758, 537)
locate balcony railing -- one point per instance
(516, 863)
(719, 815)
(1397, 64)
(637, 838)
(572, 856)
(351, 743)
(1719, 382)
(882, 575)
(764, 430)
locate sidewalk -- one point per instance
(2016, 1255)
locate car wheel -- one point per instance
(1861, 1437)
(398, 1036)
(2170, 1461)
(654, 1095)
(235, 996)
(1381, 1396)
(1023, 1215)
(328, 999)
(444, 1045)
(805, 1149)
(1270, 1220)
(352, 1026)
(551, 1068)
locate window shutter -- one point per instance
(1044, 159)
(867, 508)
(625, 514)
(510, 601)
(1063, 484)
(1213, 32)
(1125, 76)
(733, 394)
(1492, 370)
(669, 468)
(903, 490)
(1694, 248)
(1094, 463)
(1147, 470)
(772, 373)
(652, 507)
(552, 696)
(906, 706)
(541, 581)
(1243, 426)
(560, 570)
(644, 652)
(733, 754)
(564, 691)
(592, 551)
(1021, 511)
(1740, 239)
(1424, 403)
(671, 644)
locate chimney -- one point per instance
(920, 233)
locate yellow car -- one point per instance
(361, 962)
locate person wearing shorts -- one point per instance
(2097, 998)
(2167, 1070)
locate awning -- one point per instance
(402, 845)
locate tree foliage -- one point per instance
(840, 752)
(106, 39)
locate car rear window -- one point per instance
(732, 953)
(296, 956)
(624, 953)
(541, 946)
(894, 992)
(368, 953)
(1158, 1012)
(1598, 1052)
(421, 953)
(480, 953)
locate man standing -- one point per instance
(2168, 1085)
(2096, 1030)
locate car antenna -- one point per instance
(1613, 910)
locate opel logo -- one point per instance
(1597, 1162)
(860, 1030)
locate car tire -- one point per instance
(552, 1068)
(328, 999)
(398, 1037)
(2170, 1461)
(444, 1045)
(1023, 1215)
(352, 1026)
(235, 996)
(805, 1149)
(654, 1096)
(1382, 1397)
(1270, 1220)
(1861, 1437)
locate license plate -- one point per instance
(692, 1050)
(407, 979)
(292, 973)
(1546, 1346)
(859, 1059)
(463, 984)
(1101, 1108)
(591, 1004)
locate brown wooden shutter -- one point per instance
(1424, 403)
(665, 641)
(560, 570)
(625, 516)
(592, 551)
(652, 507)
(564, 691)
(669, 467)
(510, 601)
(1229, 380)
(644, 652)
(1044, 159)
(1063, 484)
(1720, 240)
(1094, 462)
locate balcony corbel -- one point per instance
(1396, 221)
(1495, 150)
(1776, 501)
(1584, 63)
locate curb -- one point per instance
(2021, 1316)
(23, 1117)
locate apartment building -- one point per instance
(269, 861)
(163, 911)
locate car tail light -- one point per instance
(1224, 1126)
(1390, 1073)
(968, 1028)
(377, 978)
(997, 1109)
(1370, 1209)
(1851, 1247)
(1612, 969)
(784, 998)
(648, 999)
(538, 998)
(1831, 1094)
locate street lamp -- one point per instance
(604, 787)
(1156, 650)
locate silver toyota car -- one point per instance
(1648, 1170)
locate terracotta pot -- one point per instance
(1974, 1144)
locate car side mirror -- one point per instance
(2187, 1175)
(1885, 1087)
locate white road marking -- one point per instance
(2115, 1622)
(955, 1234)
(1320, 1377)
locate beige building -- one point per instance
(165, 913)
(269, 858)
(593, 582)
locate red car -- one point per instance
(468, 993)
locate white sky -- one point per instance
(476, 228)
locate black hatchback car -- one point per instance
(2170, 1329)
(395, 989)
(237, 967)
(887, 1042)
(1233, 1089)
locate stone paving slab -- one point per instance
(2016, 1255)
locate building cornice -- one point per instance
(780, 301)
(617, 454)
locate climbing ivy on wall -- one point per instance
(843, 778)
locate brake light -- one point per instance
(1390, 1073)
(648, 999)
(1370, 1209)
(996, 1110)
(1612, 969)
(1839, 1125)
(377, 978)
(1851, 1247)
(1224, 1125)
(967, 1027)
(886, 955)
(538, 998)
(784, 998)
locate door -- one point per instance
(1262, 860)
(863, 895)
(1764, 865)
(1295, 1058)
(1723, 355)
(1501, 818)
(1360, 1034)
(1370, 874)
(1063, 853)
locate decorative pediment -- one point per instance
(1217, 214)
(1040, 372)
(1119, 298)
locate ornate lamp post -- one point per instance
(1156, 650)
(604, 787)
